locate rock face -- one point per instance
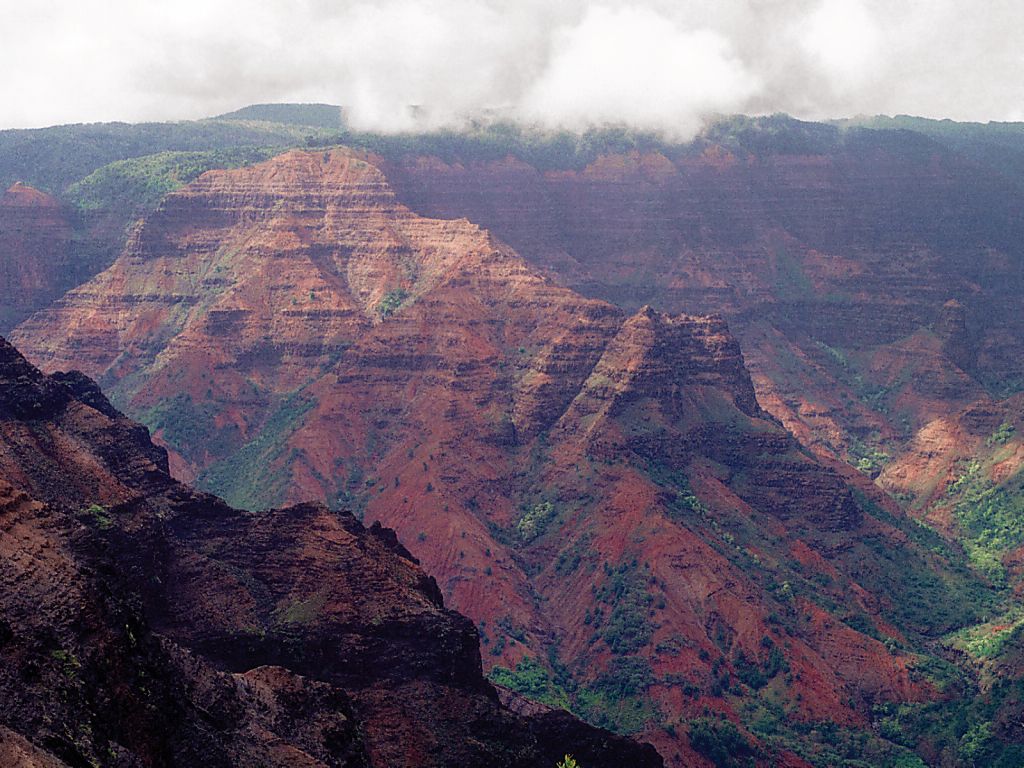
(143, 623)
(601, 494)
(36, 253)
(810, 240)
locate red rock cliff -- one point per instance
(142, 622)
(36, 253)
(598, 492)
(873, 278)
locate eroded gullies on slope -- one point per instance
(603, 495)
(143, 622)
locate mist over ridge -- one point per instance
(651, 64)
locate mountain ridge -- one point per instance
(293, 331)
(138, 628)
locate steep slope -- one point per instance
(635, 538)
(36, 253)
(143, 623)
(103, 176)
(872, 276)
(963, 473)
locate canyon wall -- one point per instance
(144, 623)
(601, 493)
(36, 253)
(872, 277)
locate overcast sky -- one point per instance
(661, 64)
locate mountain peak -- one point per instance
(659, 355)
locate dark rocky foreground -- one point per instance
(145, 624)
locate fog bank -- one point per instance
(661, 65)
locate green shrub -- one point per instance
(137, 185)
(756, 675)
(535, 520)
(100, 516)
(531, 680)
(627, 629)
(392, 301)
(992, 519)
(1002, 435)
(721, 743)
(626, 676)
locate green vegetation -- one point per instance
(776, 134)
(998, 145)
(722, 743)
(302, 611)
(1001, 436)
(853, 372)
(392, 301)
(929, 587)
(535, 520)
(325, 116)
(837, 356)
(257, 475)
(134, 186)
(683, 504)
(52, 159)
(825, 744)
(625, 677)
(100, 516)
(991, 518)
(570, 558)
(568, 762)
(756, 675)
(483, 142)
(624, 589)
(615, 700)
(869, 459)
(190, 427)
(791, 284)
(625, 715)
(965, 728)
(531, 680)
(987, 640)
(69, 663)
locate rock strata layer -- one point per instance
(145, 623)
(601, 494)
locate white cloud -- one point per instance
(450, 58)
(842, 38)
(635, 65)
(656, 63)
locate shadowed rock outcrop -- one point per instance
(36, 253)
(145, 624)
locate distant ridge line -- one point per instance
(329, 116)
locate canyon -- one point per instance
(873, 277)
(145, 623)
(610, 496)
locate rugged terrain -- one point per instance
(602, 494)
(893, 248)
(36, 253)
(145, 624)
(872, 272)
